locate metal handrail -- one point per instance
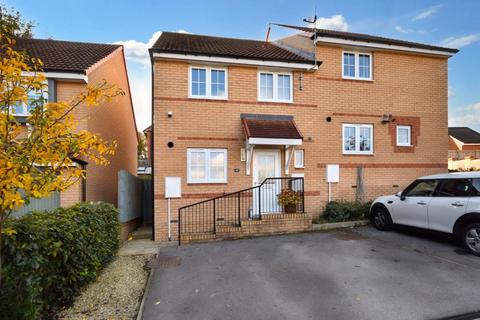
(205, 217)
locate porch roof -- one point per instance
(260, 127)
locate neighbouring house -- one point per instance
(463, 149)
(236, 123)
(463, 142)
(69, 67)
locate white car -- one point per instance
(444, 202)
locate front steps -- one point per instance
(270, 224)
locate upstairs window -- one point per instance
(357, 65)
(357, 139)
(209, 83)
(404, 136)
(273, 86)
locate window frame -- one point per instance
(295, 165)
(208, 82)
(275, 86)
(409, 128)
(207, 178)
(26, 113)
(357, 65)
(357, 138)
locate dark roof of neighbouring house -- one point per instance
(369, 38)
(270, 126)
(192, 44)
(464, 134)
(65, 56)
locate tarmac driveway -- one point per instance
(354, 274)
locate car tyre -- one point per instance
(381, 219)
(471, 238)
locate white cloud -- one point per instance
(427, 13)
(451, 93)
(335, 22)
(137, 51)
(408, 30)
(460, 42)
(400, 29)
(138, 61)
(468, 115)
(183, 31)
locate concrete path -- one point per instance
(143, 246)
(361, 274)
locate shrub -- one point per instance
(52, 255)
(340, 211)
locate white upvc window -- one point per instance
(275, 86)
(404, 136)
(208, 82)
(357, 65)
(357, 139)
(299, 159)
(206, 165)
(34, 99)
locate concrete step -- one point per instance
(143, 232)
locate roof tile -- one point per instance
(66, 56)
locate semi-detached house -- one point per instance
(233, 114)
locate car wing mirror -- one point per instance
(400, 195)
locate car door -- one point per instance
(448, 203)
(412, 209)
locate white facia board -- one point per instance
(333, 173)
(173, 187)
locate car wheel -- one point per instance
(471, 238)
(381, 218)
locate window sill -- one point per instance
(405, 145)
(205, 183)
(357, 79)
(276, 101)
(207, 98)
(359, 154)
(300, 168)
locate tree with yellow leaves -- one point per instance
(36, 154)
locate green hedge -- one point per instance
(52, 256)
(340, 211)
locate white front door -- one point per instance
(266, 164)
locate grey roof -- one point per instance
(464, 134)
(65, 56)
(369, 38)
(192, 44)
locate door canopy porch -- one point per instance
(271, 130)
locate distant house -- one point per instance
(69, 67)
(463, 142)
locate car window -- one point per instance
(421, 188)
(454, 188)
(476, 187)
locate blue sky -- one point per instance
(136, 23)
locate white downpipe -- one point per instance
(169, 226)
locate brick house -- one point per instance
(463, 142)
(69, 67)
(228, 113)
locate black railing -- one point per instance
(230, 209)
